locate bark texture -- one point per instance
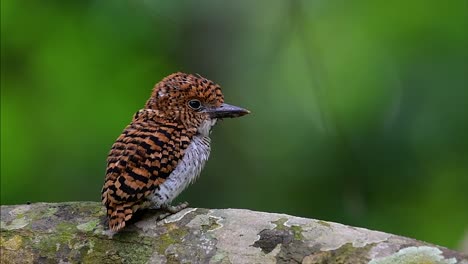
(76, 232)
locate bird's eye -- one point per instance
(195, 104)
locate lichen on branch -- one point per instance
(76, 232)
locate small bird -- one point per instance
(164, 148)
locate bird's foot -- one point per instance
(171, 209)
(175, 208)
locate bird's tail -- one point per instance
(119, 214)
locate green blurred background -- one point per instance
(359, 108)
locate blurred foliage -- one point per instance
(359, 108)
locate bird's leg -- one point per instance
(171, 209)
(175, 208)
(162, 216)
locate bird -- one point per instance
(164, 148)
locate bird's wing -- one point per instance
(142, 158)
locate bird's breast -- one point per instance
(186, 172)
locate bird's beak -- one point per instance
(225, 111)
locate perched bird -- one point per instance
(164, 148)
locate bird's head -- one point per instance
(191, 100)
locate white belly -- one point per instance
(186, 172)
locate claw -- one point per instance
(171, 209)
(175, 209)
(162, 216)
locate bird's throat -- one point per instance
(205, 127)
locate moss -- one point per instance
(65, 229)
(349, 253)
(67, 245)
(173, 236)
(49, 213)
(128, 236)
(13, 250)
(345, 254)
(14, 243)
(58, 243)
(323, 223)
(280, 224)
(88, 226)
(61, 244)
(41, 212)
(7, 234)
(165, 241)
(290, 238)
(104, 251)
(212, 225)
(91, 209)
(17, 223)
(20, 211)
(297, 230)
(118, 250)
(99, 213)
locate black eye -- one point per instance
(195, 104)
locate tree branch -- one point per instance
(76, 233)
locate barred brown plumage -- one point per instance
(164, 148)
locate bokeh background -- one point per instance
(359, 108)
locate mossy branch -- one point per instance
(76, 233)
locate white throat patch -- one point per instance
(205, 128)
